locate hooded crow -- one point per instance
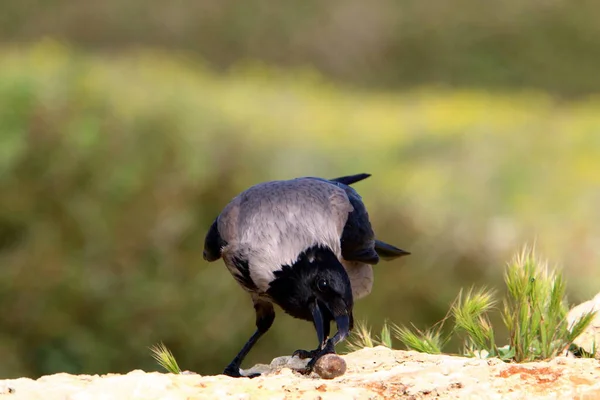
(305, 244)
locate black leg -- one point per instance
(265, 315)
(322, 322)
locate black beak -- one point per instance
(343, 325)
(342, 313)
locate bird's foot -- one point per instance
(317, 354)
(234, 372)
(304, 354)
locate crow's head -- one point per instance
(316, 282)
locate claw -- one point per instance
(304, 354)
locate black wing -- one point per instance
(358, 238)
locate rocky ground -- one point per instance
(372, 373)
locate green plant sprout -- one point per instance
(165, 358)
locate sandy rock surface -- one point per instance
(373, 373)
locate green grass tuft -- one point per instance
(362, 337)
(165, 358)
(535, 310)
(385, 338)
(470, 315)
(429, 341)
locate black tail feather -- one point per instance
(350, 179)
(388, 252)
(213, 243)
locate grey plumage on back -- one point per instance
(271, 223)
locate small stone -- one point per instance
(330, 366)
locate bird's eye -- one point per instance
(322, 285)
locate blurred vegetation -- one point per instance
(551, 45)
(112, 167)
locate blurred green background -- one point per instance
(125, 127)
